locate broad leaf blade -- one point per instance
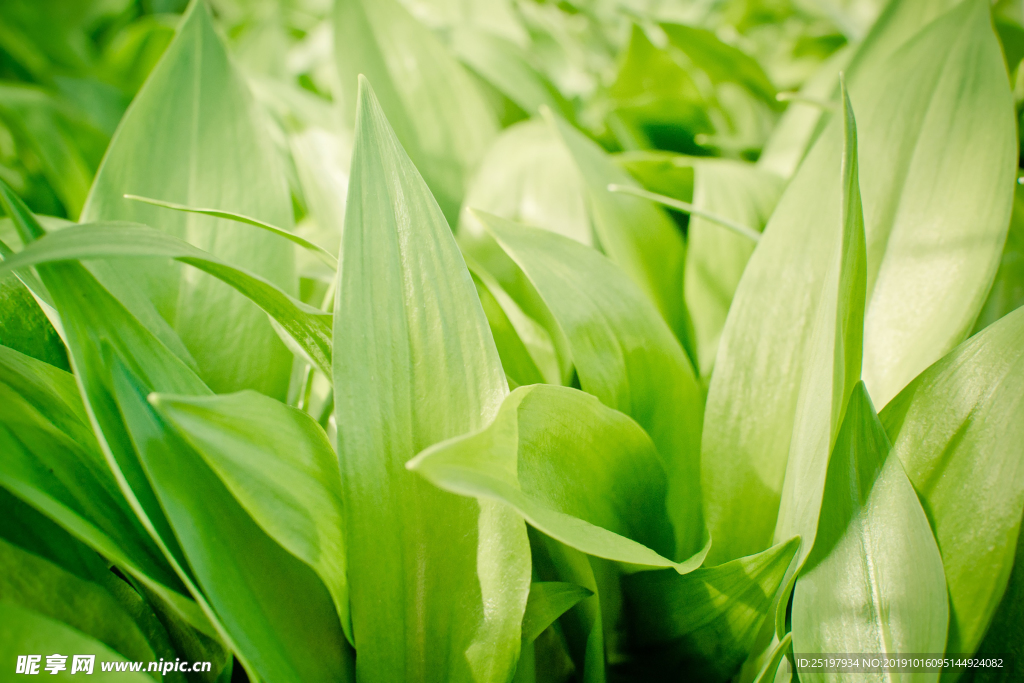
(624, 354)
(903, 122)
(438, 114)
(958, 429)
(194, 136)
(415, 364)
(873, 582)
(268, 454)
(612, 503)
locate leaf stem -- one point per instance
(687, 207)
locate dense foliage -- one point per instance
(512, 340)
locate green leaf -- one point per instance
(24, 632)
(547, 602)
(873, 582)
(704, 622)
(25, 327)
(440, 117)
(830, 362)
(1005, 637)
(307, 328)
(721, 62)
(527, 176)
(1007, 292)
(33, 583)
(832, 366)
(438, 583)
(624, 354)
(634, 233)
(322, 253)
(934, 228)
(715, 256)
(252, 583)
(194, 136)
(51, 450)
(958, 430)
(507, 67)
(581, 472)
(267, 453)
(866, 64)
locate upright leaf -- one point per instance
(873, 582)
(934, 226)
(958, 429)
(829, 342)
(194, 136)
(438, 582)
(438, 114)
(624, 354)
(832, 366)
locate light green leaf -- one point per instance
(958, 429)
(547, 602)
(771, 667)
(308, 328)
(582, 473)
(268, 454)
(704, 622)
(934, 227)
(624, 354)
(507, 67)
(24, 632)
(832, 366)
(194, 136)
(634, 233)
(322, 253)
(438, 583)
(873, 582)
(715, 256)
(437, 111)
(252, 583)
(527, 176)
(862, 64)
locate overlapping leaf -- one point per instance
(934, 225)
(873, 582)
(437, 112)
(624, 354)
(194, 136)
(438, 582)
(958, 430)
(308, 328)
(706, 621)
